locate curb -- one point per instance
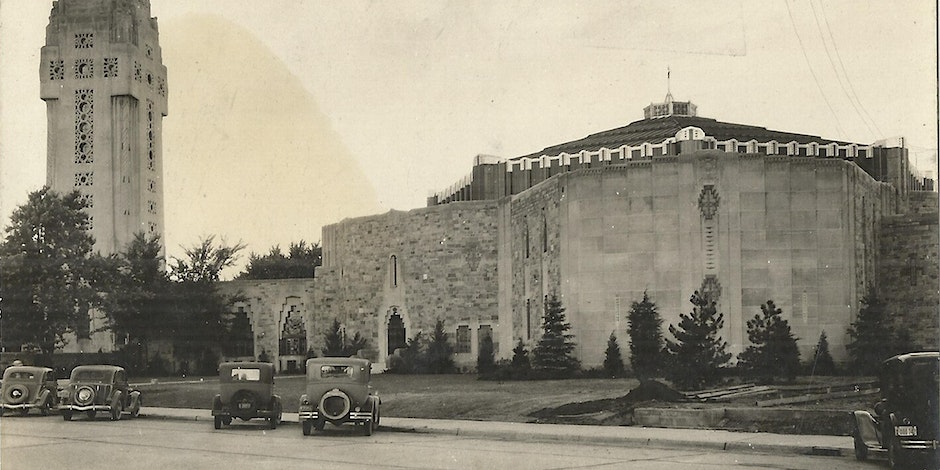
(546, 433)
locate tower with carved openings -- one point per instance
(105, 88)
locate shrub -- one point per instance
(613, 363)
(773, 351)
(646, 338)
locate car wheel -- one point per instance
(318, 424)
(135, 407)
(1, 410)
(91, 414)
(861, 450)
(227, 420)
(67, 415)
(116, 411)
(367, 428)
(272, 422)
(218, 422)
(23, 411)
(45, 407)
(308, 427)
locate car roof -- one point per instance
(338, 361)
(98, 367)
(33, 369)
(246, 365)
(914, 356)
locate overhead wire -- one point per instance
(811, 70)
(848, 79)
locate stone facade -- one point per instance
(105, 87)
(420, 266)
(908, 268)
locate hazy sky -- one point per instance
(409, 92)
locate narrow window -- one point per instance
(393, 270)
(463, 339)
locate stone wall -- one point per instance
(750, 228)
(908, 268)
(426, 264)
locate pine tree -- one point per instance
(520, 365)
(822, 361)
(773, 351)
(698, 353)
(644, 325)
(333, 341)
(486, 358)
(440, 353)
(552, 355)
(613, 362)
(354, 345)
(872, 336)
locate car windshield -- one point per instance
(21, 375)
(335, 371)
(91, 375)
(246, 375)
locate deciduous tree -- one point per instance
(51, 278)
(299, 262)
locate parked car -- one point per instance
(906, 421)
(339, 391)
(27, 387)
(246, 391)
(94, 388)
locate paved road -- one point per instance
(49, 442)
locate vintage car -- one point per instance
(906, 421)
(246, 391)
(94, 388)
(338, 391)
(27, 387)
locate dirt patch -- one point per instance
(610, 411)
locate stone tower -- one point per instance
(105, 88)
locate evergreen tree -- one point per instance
(50, 277)
(520, 364)
(698, 353)
(552, 355)
(822, 363)
(440, 353)
(644, 325)
(613, 362)
(773, 351)
(333, 344)
(354, 345)
(486, 356)
(872, 338)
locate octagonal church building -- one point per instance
(668, 205)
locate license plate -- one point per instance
(905, 431)
(244, 406)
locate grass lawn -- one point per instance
(422, 396)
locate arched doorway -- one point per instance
(396, 332)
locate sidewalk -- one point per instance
(600, 435)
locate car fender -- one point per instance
(44, 396)
(117, 398)
(217, 402)
(133, 398)
(866, 427)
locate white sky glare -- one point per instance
(414, 90)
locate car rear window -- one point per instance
(335, 371)
(91, 375)
(246, 375)
(21, 375)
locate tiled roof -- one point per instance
(656, 130)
